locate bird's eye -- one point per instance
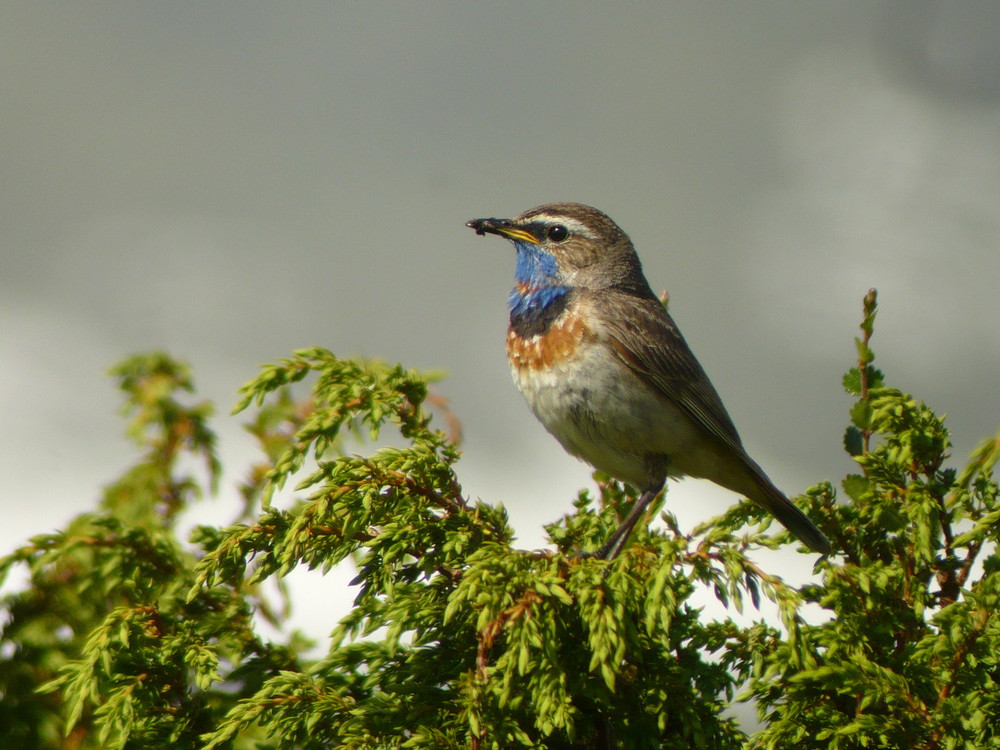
(557, 233)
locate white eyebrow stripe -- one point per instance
(573, 225)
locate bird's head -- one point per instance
(562, 246)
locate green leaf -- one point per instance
(857, 487)
(853, 441)
(861, 415)
(852, 381)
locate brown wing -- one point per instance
(646, 339)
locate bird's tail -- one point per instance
(774, 502)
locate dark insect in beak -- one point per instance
(482, 226)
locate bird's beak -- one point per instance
(502, 227)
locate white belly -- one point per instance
(599, 411)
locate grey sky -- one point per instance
(231, 181)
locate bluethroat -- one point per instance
(606, 370)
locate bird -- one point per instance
(605, 369)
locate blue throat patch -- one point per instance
(537, 295)
(535, 301)
(535, 267)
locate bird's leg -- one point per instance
(616, 542)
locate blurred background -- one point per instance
(231, 181)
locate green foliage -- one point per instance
(908, 655)
(128, 637)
